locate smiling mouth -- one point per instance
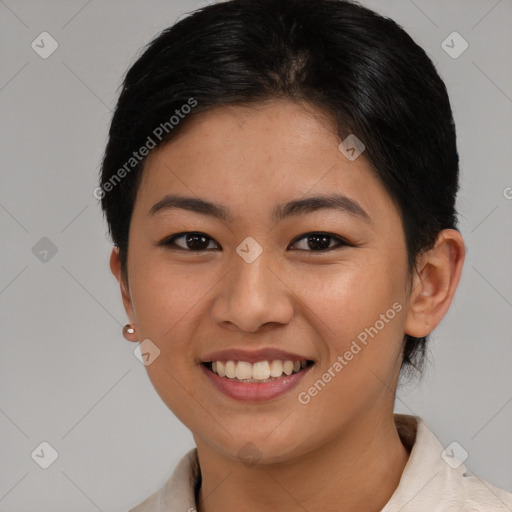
(259, 372)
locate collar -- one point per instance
(433, 480)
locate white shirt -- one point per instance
(430, 482)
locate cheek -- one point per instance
(351, 299)
(359, 316)
(362, 316)
(167, 307)
(164, 295)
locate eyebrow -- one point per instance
(281, 211)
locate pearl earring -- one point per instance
(127, 330)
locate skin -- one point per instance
(341, 451)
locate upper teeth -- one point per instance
(262, 370)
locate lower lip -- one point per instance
(254, 392)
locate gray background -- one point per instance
(68, 377)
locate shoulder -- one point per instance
(178, 492)
(481, 496)
(434, 479)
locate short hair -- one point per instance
(360, 67)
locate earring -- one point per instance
(128, 330)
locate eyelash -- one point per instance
(169, 242)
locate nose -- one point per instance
(253, 298)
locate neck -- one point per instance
(356, 470)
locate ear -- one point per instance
(115, 267)
(437, 275)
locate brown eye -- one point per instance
(192, 241)
(320, 242)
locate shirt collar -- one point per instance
(432, 478)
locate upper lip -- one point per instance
(252, 356)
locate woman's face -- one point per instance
(252, 288)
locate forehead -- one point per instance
(257, 155)
(277, 129)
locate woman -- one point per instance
(280, 183)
